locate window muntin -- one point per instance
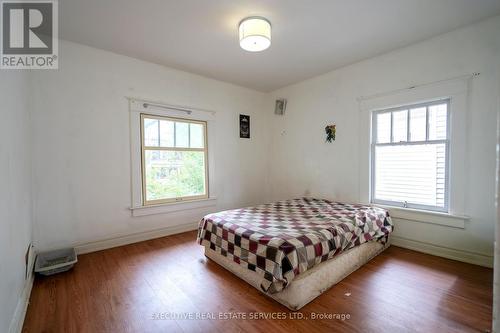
(410, 148)
(174, 159)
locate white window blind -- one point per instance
(410, 156)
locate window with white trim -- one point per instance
(174, 159)
(409, 160)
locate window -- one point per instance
(410, 156)
(174, 159)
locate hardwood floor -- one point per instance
(123, 289)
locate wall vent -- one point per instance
(280, 107)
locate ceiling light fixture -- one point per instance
(255, 34)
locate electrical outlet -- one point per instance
(30, 261)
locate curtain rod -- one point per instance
(146, 105)
(158, 104)
(466, 76)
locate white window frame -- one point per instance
(145, 148)
(446, 141)
(161, 109)
(457, 91)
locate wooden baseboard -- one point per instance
(445, 252)
(16, 325)
(133, 238)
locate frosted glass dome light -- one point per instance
(255, 34)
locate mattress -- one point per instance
(283, 240)
(306, 287)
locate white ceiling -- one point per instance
(308, 37)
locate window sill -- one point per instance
(444, 219)
(173, 207)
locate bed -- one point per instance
(294, 250)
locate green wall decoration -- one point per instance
(330, 132)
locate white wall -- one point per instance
(82, 149)
(15, 191)
(302, 163)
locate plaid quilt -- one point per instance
(284, 239)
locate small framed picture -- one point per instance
(244, 126)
